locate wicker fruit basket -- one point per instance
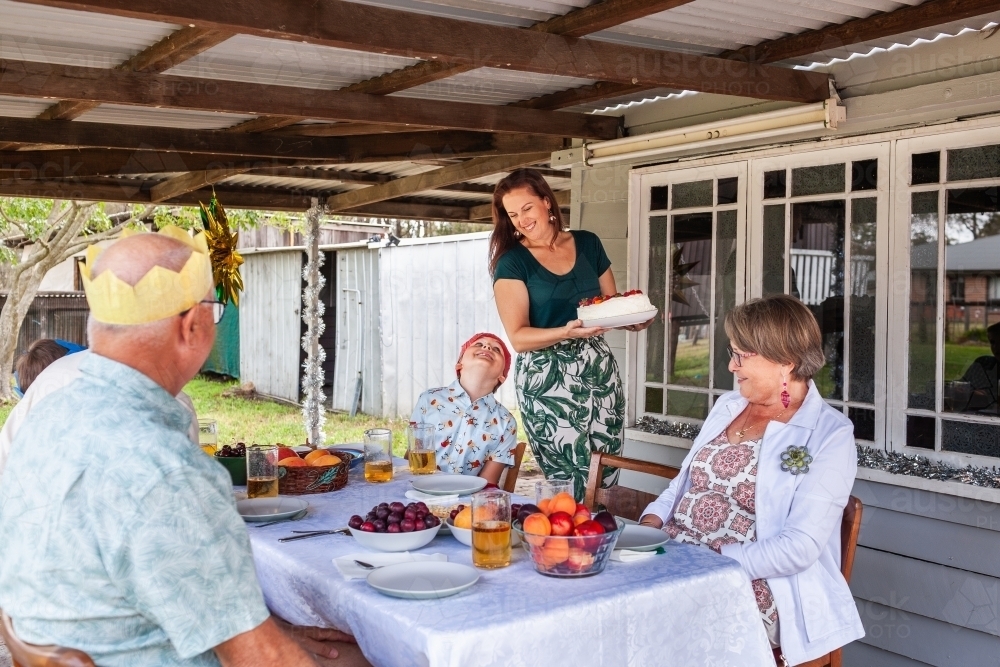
(299, 481)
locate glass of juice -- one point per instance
(491, 529)
(208, 435)
(262, 471)
(421, 440)
(551, 487)
(378, 455)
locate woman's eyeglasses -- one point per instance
(738, 357)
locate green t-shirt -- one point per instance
(553, 299)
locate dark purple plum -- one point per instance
(607, 521)
(368, 527)
(407, 525)
(397, 507)
(379, 525)
(393, 518)
(355, 522)
(430, 521)
(392, 528)
(382, 513)
(410, 514)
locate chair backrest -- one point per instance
(619, 500)
(510, 475)
(29, 655)
(849, 529)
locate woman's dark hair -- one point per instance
(40, 354)
(504, 234)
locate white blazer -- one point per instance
(798, 522)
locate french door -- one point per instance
(819, 231)
(692, 264)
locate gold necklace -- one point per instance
(739, 434)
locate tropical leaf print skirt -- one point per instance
(572, 403)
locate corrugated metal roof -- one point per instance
(67, 37)
(191, 120)
(493, 86)
(284, 63)
(22, 107)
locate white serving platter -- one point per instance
(254, 510)
(422, 580)
(622, 320)
(448, 485)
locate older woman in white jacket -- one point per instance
(767, 480)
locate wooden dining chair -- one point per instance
(850, 526)
(30, 655)
(619, 500)
(509, 478)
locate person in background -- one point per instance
(568, 386)
(117, 536)
(767, 480)
(477, 435)
(983, 377)
(39, 356)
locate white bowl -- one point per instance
(396, 541)
(463, 535)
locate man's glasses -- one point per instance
(738, 357)
(218, 310)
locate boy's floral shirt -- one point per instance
(469, 433)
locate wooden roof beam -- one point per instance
(331, 150)
(379, 29)
(30, 79)
(431, 180)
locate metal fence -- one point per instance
(60, 315)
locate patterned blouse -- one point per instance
(719, 508)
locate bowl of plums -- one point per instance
(395, 527)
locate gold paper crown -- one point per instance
(159, 294)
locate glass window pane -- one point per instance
(818, 180)
(654, 400)
(725, 292)
(774, 184)
(728, 190)
(862, 336)
(687, 404)
(925, 168)
(923, 300)
(982, 439)
(968, 163)
(920, 432)
(688, 195)
(864, 175)
(864, 423)
(774, 250)
(690, 297)
(657, 292)
(972, 258)
(817, 278)
(658, 197)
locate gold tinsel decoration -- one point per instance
(226, 260)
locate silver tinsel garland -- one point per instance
(313, 400)
(875, 459)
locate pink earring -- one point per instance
(786, 398)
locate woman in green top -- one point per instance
(568, 387)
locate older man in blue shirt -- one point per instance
(118, 537)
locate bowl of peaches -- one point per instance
(564, 539)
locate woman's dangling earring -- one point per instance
(786, 398)
(552, 216)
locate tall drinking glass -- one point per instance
(262, 471)
(491, 529)
(552, 487)
(208, 435)
(420, 438)
(378, 455)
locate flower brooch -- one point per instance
(796, 460)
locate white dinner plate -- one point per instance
(254, 510)
(622, 320)
(641, 538)
(422, 580)
(449, 485)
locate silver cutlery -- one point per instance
(367, 566)
(294, 517)
(316, 533)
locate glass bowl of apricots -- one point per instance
(563, 537)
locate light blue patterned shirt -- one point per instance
(470, 433)
(118, 536)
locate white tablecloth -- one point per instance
(689, 606)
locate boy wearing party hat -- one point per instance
(476, 435)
